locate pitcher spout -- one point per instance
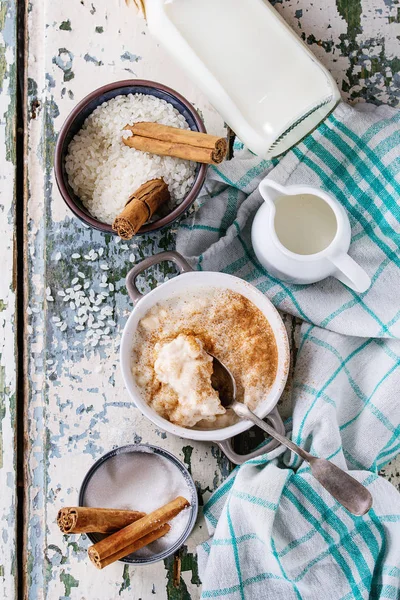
(271, 191)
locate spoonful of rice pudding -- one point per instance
(186, 369)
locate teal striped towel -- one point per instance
(275, 532)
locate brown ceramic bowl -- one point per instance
(75, 121)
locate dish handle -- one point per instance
(275, 420)
(170, 255)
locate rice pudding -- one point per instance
(171, 359)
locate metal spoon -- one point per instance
(347, 490)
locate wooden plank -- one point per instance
(8, 363)
(78, 408)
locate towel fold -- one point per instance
(276, 533)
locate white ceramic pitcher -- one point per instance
(302, 235)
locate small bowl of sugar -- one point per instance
(142, 478)
(96, 173)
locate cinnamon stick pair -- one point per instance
(140, 207)
(133, 529)
(135, 536)
(164, 140)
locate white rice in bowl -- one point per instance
(103, 172)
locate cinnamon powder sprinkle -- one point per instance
(229, 326)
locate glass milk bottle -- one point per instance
(262, 79)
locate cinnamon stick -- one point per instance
(100, 563)
(118, 542)
(140, 207)
(172, 141)
(82, 519)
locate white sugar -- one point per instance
(144, 482)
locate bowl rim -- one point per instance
(88, 219)
(144, 448)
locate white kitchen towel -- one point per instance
(276, 533)
(355, 156)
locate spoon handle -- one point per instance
(348, 491)
(345, 489)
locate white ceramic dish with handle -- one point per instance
(177, 286)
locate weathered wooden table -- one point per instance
(68, 405)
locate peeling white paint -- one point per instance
(78, 407)
(7, 321)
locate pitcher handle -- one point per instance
(170, 255)
(274, 419)
(350, 273)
